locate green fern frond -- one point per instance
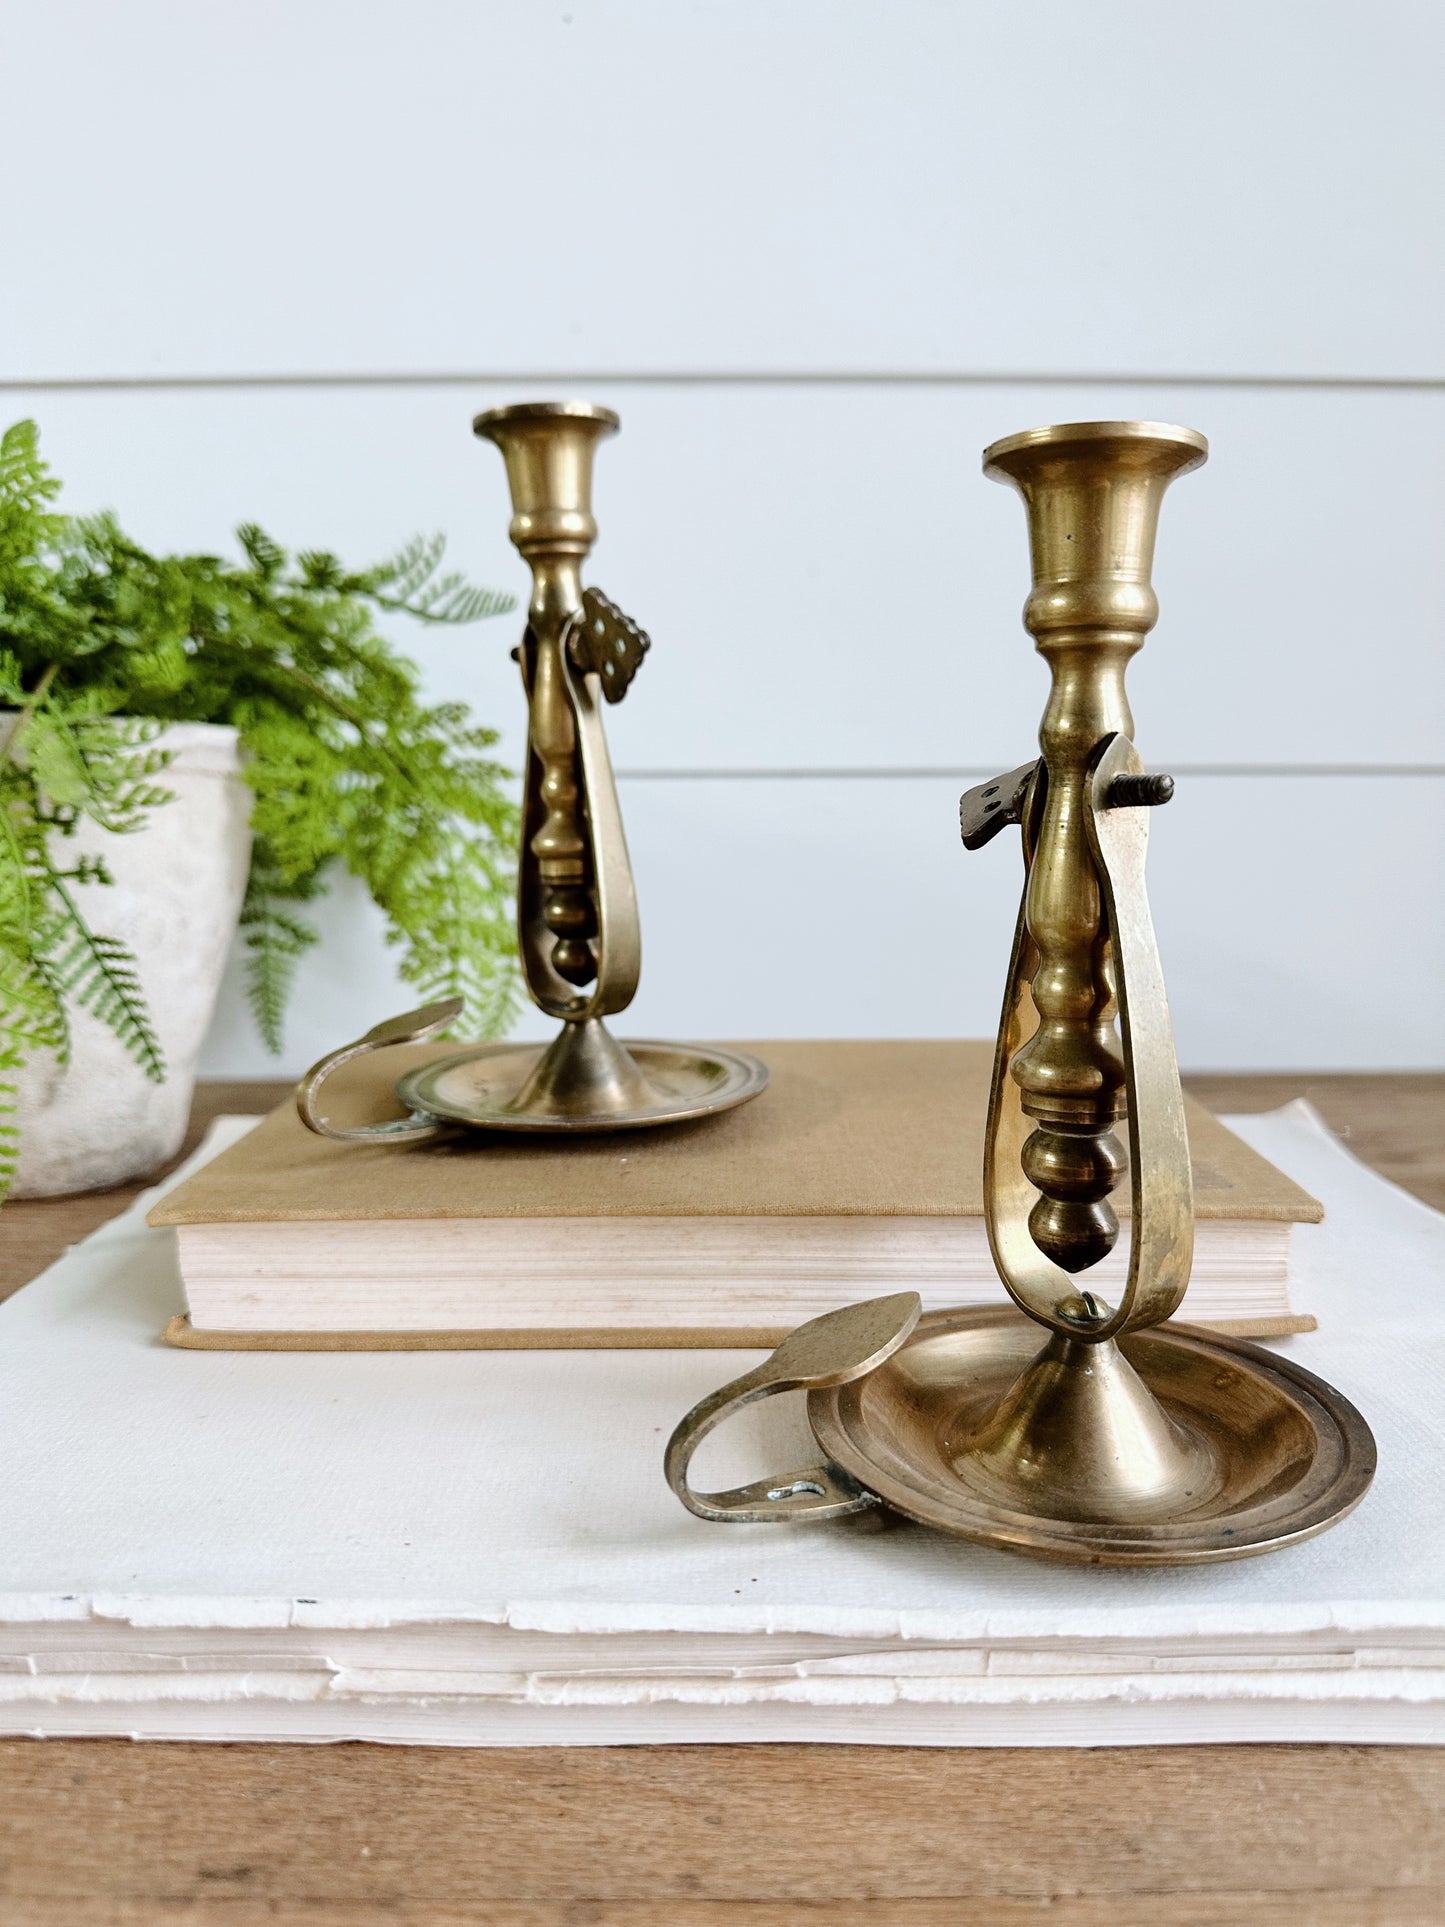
(266, 557)
(55, 760)
(9, 1136)
(410, 584)
(121, 755)
(9, 1125)
(100, 767)
(451, 598)
(103, 644)
(32, 1017)
(320, 569)
(32, 1011)
(405, 572)
(98, 974)
(275, 940)
(27, 486)
(89, 869)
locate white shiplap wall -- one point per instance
(817, 255)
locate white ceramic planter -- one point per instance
(174, 904)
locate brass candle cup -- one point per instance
(577, 917)
(1125, 1439)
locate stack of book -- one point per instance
(856, 1173)
(478, 1547)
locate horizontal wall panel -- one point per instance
(1301, 922)
(830, 582)
(1249, 187)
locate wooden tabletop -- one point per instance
(104, 1833)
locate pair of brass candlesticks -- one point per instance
(1125, 1440)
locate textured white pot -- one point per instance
(174, 904)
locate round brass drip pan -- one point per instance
(1287, 1454)
(481, 1087)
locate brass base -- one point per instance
(584, 1080)
(1173, 1447)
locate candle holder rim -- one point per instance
(518, 414)
(1061, 435)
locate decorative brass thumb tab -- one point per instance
(410, 1028)
(602, 642)
(831, 1350)
(985, 809)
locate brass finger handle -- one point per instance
(580, 939)
(618, 936)
(410, 1028)
(1117, 799)
(1161, 1253)
(832, 1350)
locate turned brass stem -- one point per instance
(549, 448)
(1092, 492)
(558, 842)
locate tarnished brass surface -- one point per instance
(410, 1028)
(606, 642)
(577, 908)
(1259, 1453)
(1090, 1438)
(494, 1086)
(577, 921)
(1124, 1440)
(829, 1351)
(990, 807)
(1093, 491)
(577, 918)
(1016, 1176)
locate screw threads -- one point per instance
(1139, 792)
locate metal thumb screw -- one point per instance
(1138, 792)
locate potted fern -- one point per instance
(187, 741)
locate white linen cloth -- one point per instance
(479, 1547)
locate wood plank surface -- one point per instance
(1395, 1123)
(35, 1231)
(100, 1833)
(687, 1833)
(1356, 1909)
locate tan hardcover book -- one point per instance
(859, 1170)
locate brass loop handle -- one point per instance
(1161, 1189)
(410, 1028)
(619, 932)
(831, 1350)
(597, 820)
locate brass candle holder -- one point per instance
(577, 917)
(1125, 1440)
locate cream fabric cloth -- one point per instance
(479, 1547)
